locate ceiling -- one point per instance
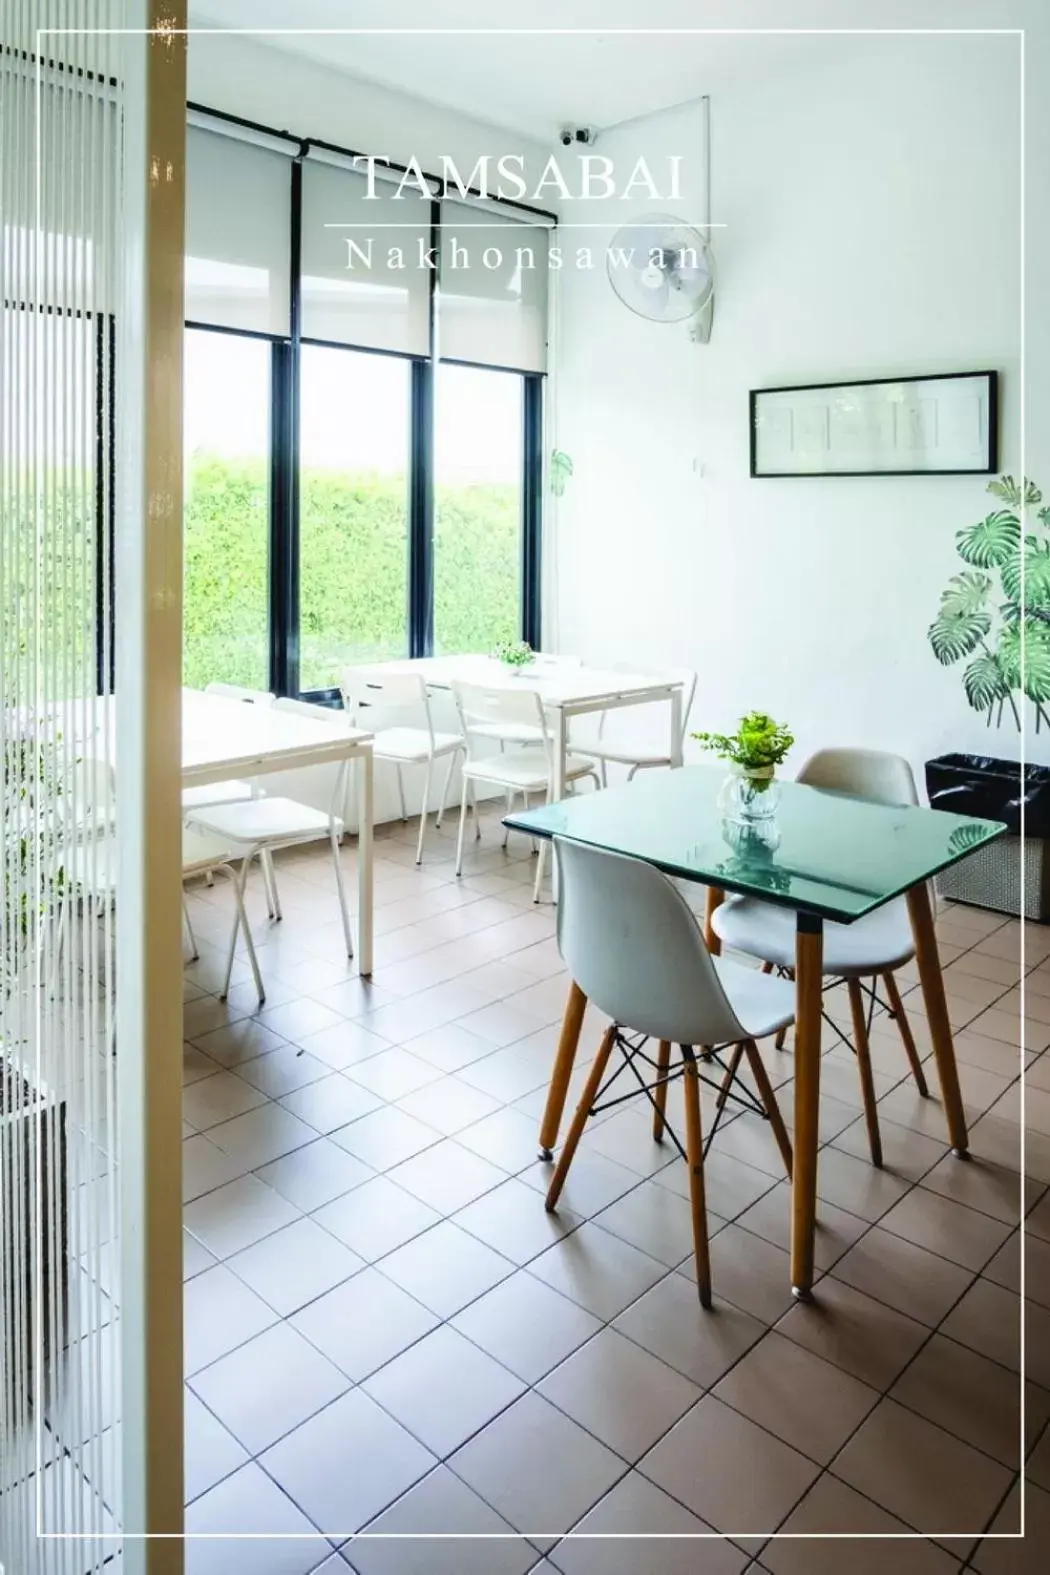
(586, 60)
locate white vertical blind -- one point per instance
(238, 232)
(60, 197)
(492, 304)
(366, 274)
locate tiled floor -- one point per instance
(386, 1332)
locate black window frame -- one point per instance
(284, 460)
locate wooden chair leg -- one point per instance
(907, 1039)
(694, 1149)
(867, 1082)
(579, 1120)
(769, 1099)
(767, 967)
(663, 1064)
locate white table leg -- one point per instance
(561, 731)
(365, 818)
(675, 752)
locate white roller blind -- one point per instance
(365, 274)
(238, 233)
(492, 304)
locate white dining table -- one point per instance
(566, 688)
(223, 738)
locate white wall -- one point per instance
(871, 196)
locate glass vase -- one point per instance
(750, 797)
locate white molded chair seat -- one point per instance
(234, 792)
(526, 770)
(879, 941)
(633, 947)
(274, 820)
(413, 745)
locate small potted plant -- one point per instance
(515, 654)
(754, 751)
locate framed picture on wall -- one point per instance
(944, 425)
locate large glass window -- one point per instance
(353, 511)
(226, 438)
(478, 453)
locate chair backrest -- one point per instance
(378, 686)
(684, 676)
(237, 692)
(632, 944)
(866, 773)
(499, 705)
(316, 713)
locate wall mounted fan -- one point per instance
(662, 269)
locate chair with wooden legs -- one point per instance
(860, 954)
(632, 944)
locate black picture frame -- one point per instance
(989, 460)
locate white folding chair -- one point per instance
(872, 947)
(264, 825)
(609, 749)
(631, 943)
(90, 871)
(529, 769)
(236, 791)
(368, 687)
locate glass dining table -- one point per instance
(827, 856)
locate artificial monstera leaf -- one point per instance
(953, 635)
(560, 471)
(1033, 674)
(1036, 565)
(965, 593)
(992, 542)
(985, 682)
(1009, 490)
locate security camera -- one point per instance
(586, 136)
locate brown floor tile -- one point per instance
(980, 1184)
(376, 1217)
(310, 1464)
(988, 1320)
(914, 1281)
(258, 1410)
(836, 1231)
(622, 1394)
(443, 1389)
(734, 1475)
(863, 1336)
(749, 1272)
(1005, 1267)
(447, 1176)
(702, 1344)
(1010, 1554)
(653, 1219)
(400, 1542)
(537, 1468)
(963, 1235)
(906, 1154)
(798, 1396)
(968, 1395)
(855, 1185)
(526, 1326)
(512, 1219)
(597, 1270)
(364, 1323)
(446, 1268)
(386, 1137)
(807, 1545)
(611, 1540)
(928, 1478)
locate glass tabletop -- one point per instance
(827, 853)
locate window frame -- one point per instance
(283, 634)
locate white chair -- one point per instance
(261, 826)
(235, 791)
(609, 750)
(90, 870)
(632, 944)
(873, 947)
(529, 769)
(365, 687)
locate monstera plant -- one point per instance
(996, 611)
